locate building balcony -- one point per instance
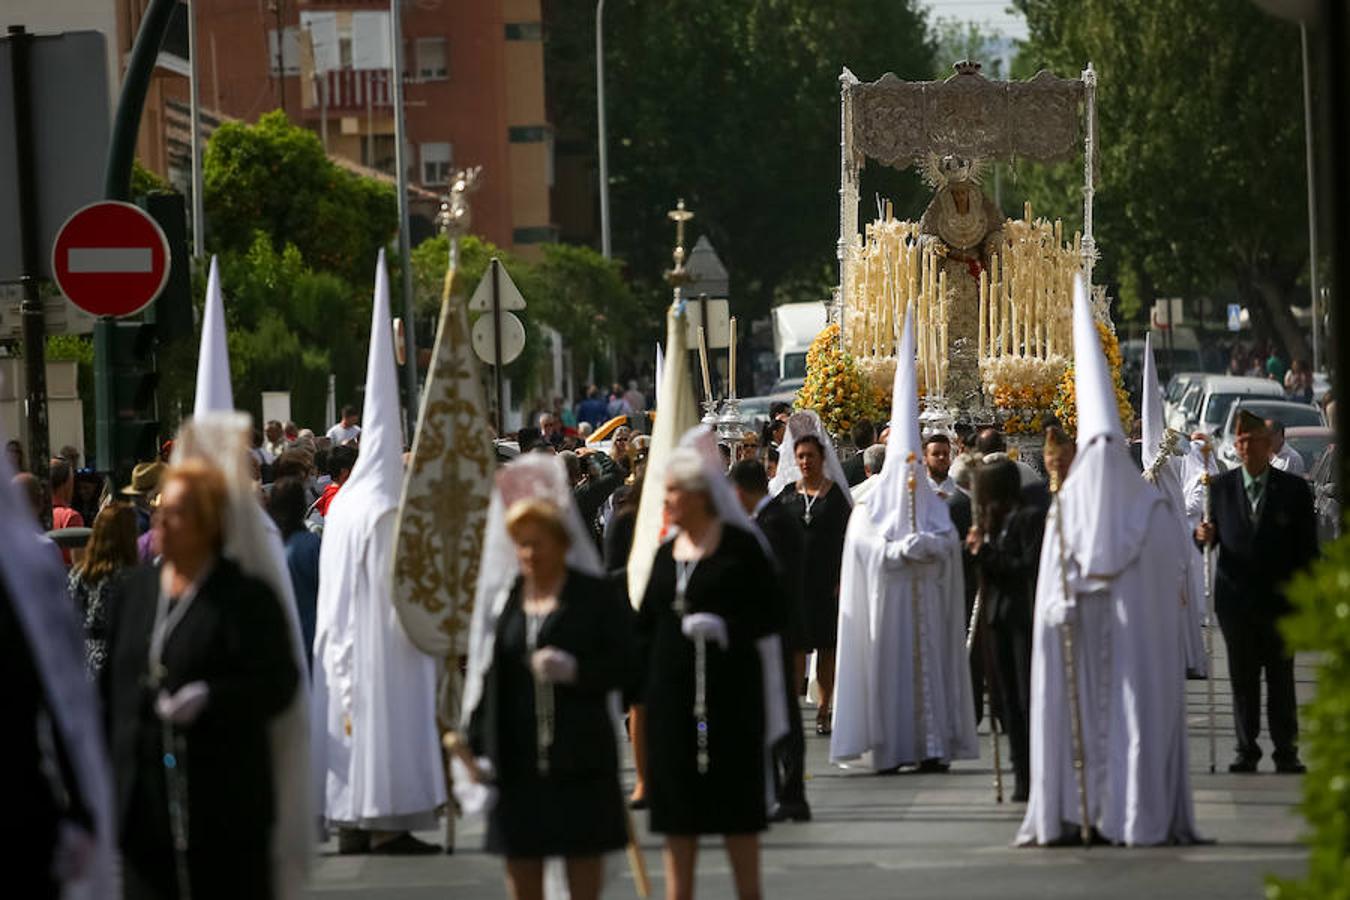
(349, 90)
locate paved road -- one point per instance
(928, 836)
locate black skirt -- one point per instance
(735, 582)
(577, 808)
(824, 553)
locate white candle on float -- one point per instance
(731, 361)
(944, 350)
(703, 363)
(984, 309)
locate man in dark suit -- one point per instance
(787, 541)
(864, 435)
(1264, 527)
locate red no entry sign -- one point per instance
(111, 259)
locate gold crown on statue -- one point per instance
(939, 171)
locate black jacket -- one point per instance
(594, 625)
(1256, 559)
(854, 469)
(1008, 562)
(787, 540)
(234, 638)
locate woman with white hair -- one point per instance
(707, 606)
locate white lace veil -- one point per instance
(699, 444)
(253, 542)
(530, 476)
(801, 423)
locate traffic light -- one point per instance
(135, 424)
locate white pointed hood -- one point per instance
(214, 393)
(1097, 411)
(889, 502)
(377, 478)
(1106, 505)
(1153, 427)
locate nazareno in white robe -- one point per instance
(385, 772)
(895, 706)
(1131, 686)
(879, 718)
(1169, 478)
(1112, 566)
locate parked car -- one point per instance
(1176, 389)
(1324, 476)
(1289, 413)
(1205, 405)
(1311, 442)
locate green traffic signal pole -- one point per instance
(117, 186)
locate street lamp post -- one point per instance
(605, 248)
(1312, 201)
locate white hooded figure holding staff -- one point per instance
(1164, 457)
(903, 689)
(376, 746)
(1108, 704)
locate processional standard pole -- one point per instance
(1205, 451)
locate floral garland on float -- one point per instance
(835, 386)
(1066, 394)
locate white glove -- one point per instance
(920, 546)
(707, 626)
(184, 705)
(553, 666)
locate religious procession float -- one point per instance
(991, 295)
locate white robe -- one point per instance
(387, 774)
(875, 718)
(1193, 600)
(1131, 695)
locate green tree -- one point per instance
(733, 105)
(1200, 151)
(1320, 624)
(274, 177)
(573, 290)
(290, 326)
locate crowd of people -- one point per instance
(231, 603)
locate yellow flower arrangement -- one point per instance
(1022, 383)
(1066, 400)
(835, 387)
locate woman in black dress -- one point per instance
(823, 508)
(561, 646)
(1006, 547)
(705, 607)
(200, 664)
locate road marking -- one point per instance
(109, 260)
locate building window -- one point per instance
(431, 59)
(539, 234)
(436, 160)
(290, 51)
(524, 31)
(527, 134)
